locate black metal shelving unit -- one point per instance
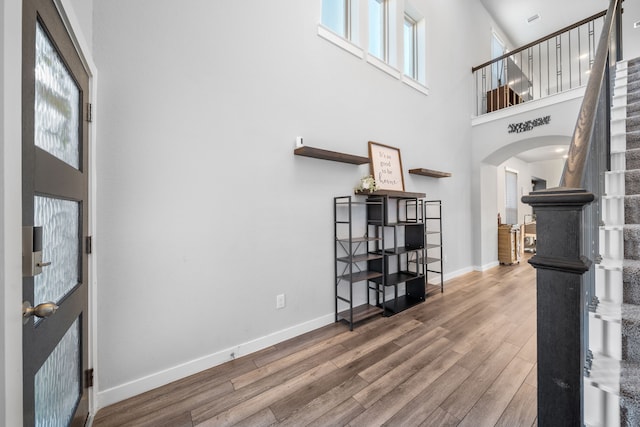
(434, 260)
(380, 239)
(357, 244)
(406, 242)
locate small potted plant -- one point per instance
(366, 185)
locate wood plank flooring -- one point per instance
(463, 358)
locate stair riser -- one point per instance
(614, 184)
(633, 140)
(609, 286)
(631, 291)
(633, 86)
(630, 340)
(631, 282)
(613, 213)
(633, 109)
(604, 337)
(632, 244)
(632, 182)
(633, 159)
(632, 210)
(633, 97)
(631, 70)
(633, 123)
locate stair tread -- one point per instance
(630, 312)
(630, 379)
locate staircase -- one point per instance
(630, 365)
(612, 387)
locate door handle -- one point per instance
(43, 310)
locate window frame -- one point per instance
(394, 13)
(348, 41)
(414, 47)
(383, 27)
(511, 195)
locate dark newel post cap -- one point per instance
(559, 196)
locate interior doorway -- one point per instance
(538, 183)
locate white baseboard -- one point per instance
(454, 274)
(486, 266)
(124, 391)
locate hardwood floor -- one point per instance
(463, 358)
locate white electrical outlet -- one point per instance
(280, 301)
(444, 258)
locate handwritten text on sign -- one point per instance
(387, 168)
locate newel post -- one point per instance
(560, 266)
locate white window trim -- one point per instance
(415, 84)
(359, 20)
(383, 66)
(420, 82)
(340, 41)
(415, 60)
(508, 170)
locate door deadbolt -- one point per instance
(32, 251)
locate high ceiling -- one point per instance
(540, 154)
(512, 15)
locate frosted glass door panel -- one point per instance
(60, 221)
(58, 382)
(57, 104)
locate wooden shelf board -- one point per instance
(359, 258)
(397, 278)
(360, 313)
(360, 239)
(394, 194)
(429, 172)
(318, 153)
(362, 275)
(400, 250)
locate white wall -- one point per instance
(492, 144)
(631, 42)
(204, 213)
(10, 213)
(550, 170)
(83, 16)
(524, 187)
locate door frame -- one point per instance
(11, 202)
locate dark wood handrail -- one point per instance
(574, 170)
(541, 40)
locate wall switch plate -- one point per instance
(280, 301)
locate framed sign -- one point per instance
(386, 166)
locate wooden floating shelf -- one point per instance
(334, 156)
(393, 193)
(429, 172)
